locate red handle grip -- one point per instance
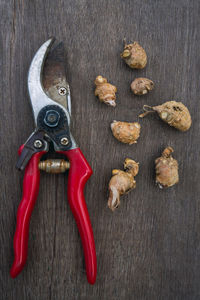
(79, 173)
(30, 192)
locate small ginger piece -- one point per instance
(166, 169)
(141, 86)
(122, 182)
(125, 132)
(134, 55)
(173, 113)
(105, 91)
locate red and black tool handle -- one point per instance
(30, 192)
(79, 173)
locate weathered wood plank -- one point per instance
(150, 247)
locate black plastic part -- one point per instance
(29, 149)
(46, 133)
(57, 132)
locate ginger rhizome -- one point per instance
(125, 132)
(105, 91)
(122, 182)
(134, 55)
(173, 113)
(166, 169)
(141, 86)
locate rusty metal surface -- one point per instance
(54, 166)
(54, 77)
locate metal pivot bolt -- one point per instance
(64, 141)
(38, 144)
(52, 118)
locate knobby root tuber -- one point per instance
(122, 182)
(173, 113)
(105, 91)
(166, 169)
(134, 55)
(125, 132)
(141, 86)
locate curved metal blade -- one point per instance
(38, 97)
(54, 77)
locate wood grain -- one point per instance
(150, 247)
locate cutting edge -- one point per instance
(37, 95)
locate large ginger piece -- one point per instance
(122, 182)
(173, 113)
(166, 169)
(134, 55)
(105, 91)
(125, 132)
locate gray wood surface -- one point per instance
(150, 247)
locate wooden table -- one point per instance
(150, 247)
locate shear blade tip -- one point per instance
(51, 40)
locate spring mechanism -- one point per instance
(54, 165)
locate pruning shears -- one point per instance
(51, 105)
